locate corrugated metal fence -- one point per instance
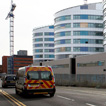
(81, 80)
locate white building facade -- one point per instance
(104, 23)
(79, 31)
(43, 44)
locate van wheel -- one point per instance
(51, 94)
(24, 94)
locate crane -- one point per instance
(11, 16)
(85, 1)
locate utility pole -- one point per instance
(11, 33)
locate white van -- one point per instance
(35, 80)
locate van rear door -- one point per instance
(46, 76)
(32, 80)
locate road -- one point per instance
(65, 96)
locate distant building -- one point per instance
(17, 61)
(4, 64)
(79, 30)
(43, 44)
(22, 52)
(10, 64)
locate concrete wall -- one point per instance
(88, 64)
(58, 70)
(90, 60)
(90, 80)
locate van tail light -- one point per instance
(54, 84)
(25, 85)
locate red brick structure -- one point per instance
(4, 64)
(21, 61)
(11, 64)
(0, 68)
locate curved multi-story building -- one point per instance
(79, 30)
(43, 44)
(104, 23)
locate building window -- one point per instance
(61, 34)
(49, 50)
(63, 49)
(88, 33)
(49, 56)
(76, 25)
(63, 41)
(88, 25)
(84, 7)
(51, 27)
(49, 39)
(88, 49)
(48, 45)
(61, 66)
(91, 64)
(63, 18)
(90, 17)
(38, 50)
(38, 45)
(38, 39)
(38, 34)
(49, 33)
(38, 56)
(62, 26)
(87, 41)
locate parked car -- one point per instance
(8, 80)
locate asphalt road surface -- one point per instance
(65, 96)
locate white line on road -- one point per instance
(65, 98)
(90, 104)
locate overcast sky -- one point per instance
(29, 14)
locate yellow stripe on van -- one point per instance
(47, 69)
(44, 85)
(32, 69)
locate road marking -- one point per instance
(15, 99)
(90, 104)
(89, 92)
(65, 98)
(17, 102)
(8, 100)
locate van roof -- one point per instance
(34, 66)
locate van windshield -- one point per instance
(37, 75)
